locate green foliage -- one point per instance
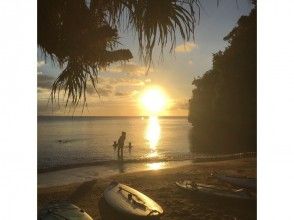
(223, 105)
(82, 35)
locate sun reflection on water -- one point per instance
(155, 166)
(152, 135)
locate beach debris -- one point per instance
(63, 141)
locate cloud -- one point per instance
(105, 90)
(131, 69)
(186, 47)
(121, 94)
(116, 86)
(110, 89)
(45, 81)
(126, 91)
(42, 90)
(126, 81)
(40, 63)
(147, 80)
(180, 105)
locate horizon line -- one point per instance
(138, 116)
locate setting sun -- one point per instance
(154, 100)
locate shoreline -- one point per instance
(207, 158)
(89, 173)
(160, 186)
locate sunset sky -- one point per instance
(121, 86)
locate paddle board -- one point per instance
(243, 182)
(131, 202)
(63, 211)
(215, 190)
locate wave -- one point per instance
(194, 158)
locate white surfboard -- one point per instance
(129, 201)
(62, 211)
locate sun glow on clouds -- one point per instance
(186, 48)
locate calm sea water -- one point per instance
(71, 141)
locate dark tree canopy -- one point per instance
(82, 35)
(223, 106)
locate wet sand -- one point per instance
(160, 186)
(85, 174)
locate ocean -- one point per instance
(78, 149)
(73, 141)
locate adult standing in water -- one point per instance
(121, 143)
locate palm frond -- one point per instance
(84, 38)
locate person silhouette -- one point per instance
(120, 144)
(114, 145)
(130, 147)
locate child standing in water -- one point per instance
(114, 145)
(130, 147)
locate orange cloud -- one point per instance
(185, 47)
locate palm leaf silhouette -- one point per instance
(82, 36)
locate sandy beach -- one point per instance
(160, 186)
